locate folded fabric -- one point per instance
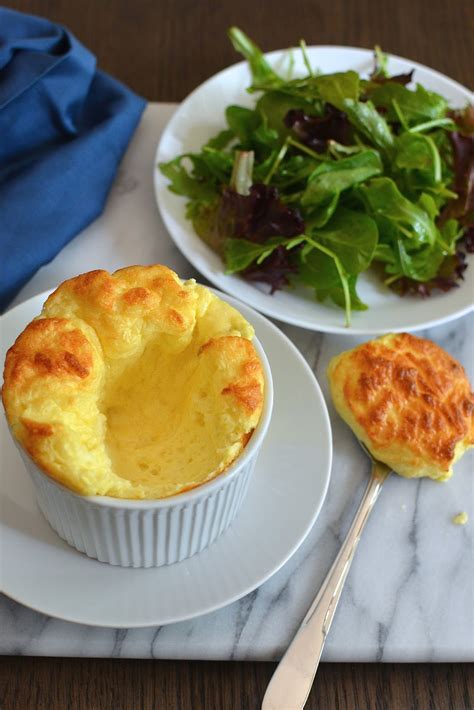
(63, 128)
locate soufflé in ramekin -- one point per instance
(139, 402)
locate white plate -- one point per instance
(201, 116)
(285, 496)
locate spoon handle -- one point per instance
(292, 680)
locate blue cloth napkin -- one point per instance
(64, 126)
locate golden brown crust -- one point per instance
(91, 331)
(36, 428)
(119, 305)
(48, 347)
(247, 388)
(249, 395)
(136, 296)
(407, 397)
(52, 358)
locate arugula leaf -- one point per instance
(383, 197)
(317, 269)
(251, 131)
(352, 236)
(416, 106)
(337, 295)
(385, 253)
(242, 122)
(421, 265)
(294, 171)
(335, 176)
(428, 204)
(211, 165)
(419, 157)
(240, 253)
(183, 184)
(320, 216)
(413, 151)
(365, 117)
(451, 231)
(260, 68)
(337, 88)
(221, 140)
(265, 138)
(321, 269)
(315, 90)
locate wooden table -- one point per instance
(163, 49)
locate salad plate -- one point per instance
(284, 498)
(202, 115)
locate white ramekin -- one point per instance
(152, 533)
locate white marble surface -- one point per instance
(410, 592)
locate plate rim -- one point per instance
(270, 311)
(259, 578)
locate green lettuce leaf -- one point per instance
(421, 265)
(337, 88)
(260, 68)
(243, 122)
(334, 177)
(416, 106)
(352, 236)
(181, 182)
(383, 198)
(337, 295)
(365, 117)
(413, 152)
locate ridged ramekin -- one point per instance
(152, 533)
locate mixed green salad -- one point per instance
(332, 174)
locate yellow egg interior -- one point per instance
(167, 428)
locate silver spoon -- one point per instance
(292, 680)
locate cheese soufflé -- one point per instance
(134, 384)
(408, 401)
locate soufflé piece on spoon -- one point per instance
(408, 401)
